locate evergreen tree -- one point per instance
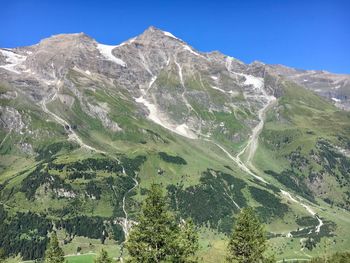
(157, 237)
(54, 253)
(186, 244)
(248, 242)
(339, 257)
(270, 259)
(103, 257)
(2, 255)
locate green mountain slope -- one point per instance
(82, 140)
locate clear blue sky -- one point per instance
(299, 33)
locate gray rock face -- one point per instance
(101, 112)
(334, 87)
(11, 119)
(167, 80)
(52, 58)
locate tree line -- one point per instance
(160, 237)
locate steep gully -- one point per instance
(72, 134)
(156, 115)
(251, 146)
(124, 222)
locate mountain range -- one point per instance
(85, 128)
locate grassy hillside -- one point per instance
(303, 148)
(81, 191)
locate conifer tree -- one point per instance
(247, 242)
(186, 244)
(339, 257)
(157, 237)
(54, 253)
(2, 255)
(103, 257)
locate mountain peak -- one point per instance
(154, 32)
(71, 37)
(152, 29)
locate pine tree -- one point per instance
(248, 242)
(54, 253)
(2, 255)
(339, 257)
(103, 257)
(186, 244)
(157, 237)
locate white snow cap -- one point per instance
(170, 35)
(106, 51)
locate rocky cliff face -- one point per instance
(167, 79)
(188, 92)
(334, 87)
(163, 76)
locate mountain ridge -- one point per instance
(333, 86)
(86, 127)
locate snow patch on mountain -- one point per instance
(170, 35)
(13, 60)
(228, 63)
(154, 78)
(183, 95)
(221, 90)
(158, 117)
(131, 40)
(185, 131)
(106, 51)
(251, 80)
(191, 51)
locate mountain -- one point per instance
(85, 128)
